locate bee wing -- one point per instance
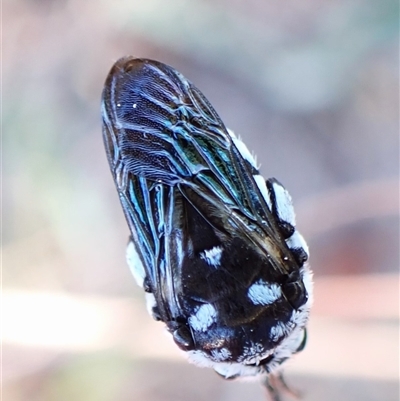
(156, 218)
(146, 113)
(166, 145)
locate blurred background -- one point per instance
(312, 88)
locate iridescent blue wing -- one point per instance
(159, 126)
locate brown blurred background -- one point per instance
(311, 86)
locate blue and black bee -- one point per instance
(213, 245)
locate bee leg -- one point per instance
(276, 385)
(271, 390)
(286, 389)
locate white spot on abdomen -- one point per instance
(278, 331)
(297, 241)
(220, 355)
(212, 256)
(284, 206)
(261, 293)
(203, 318)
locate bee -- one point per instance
(213, 244)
